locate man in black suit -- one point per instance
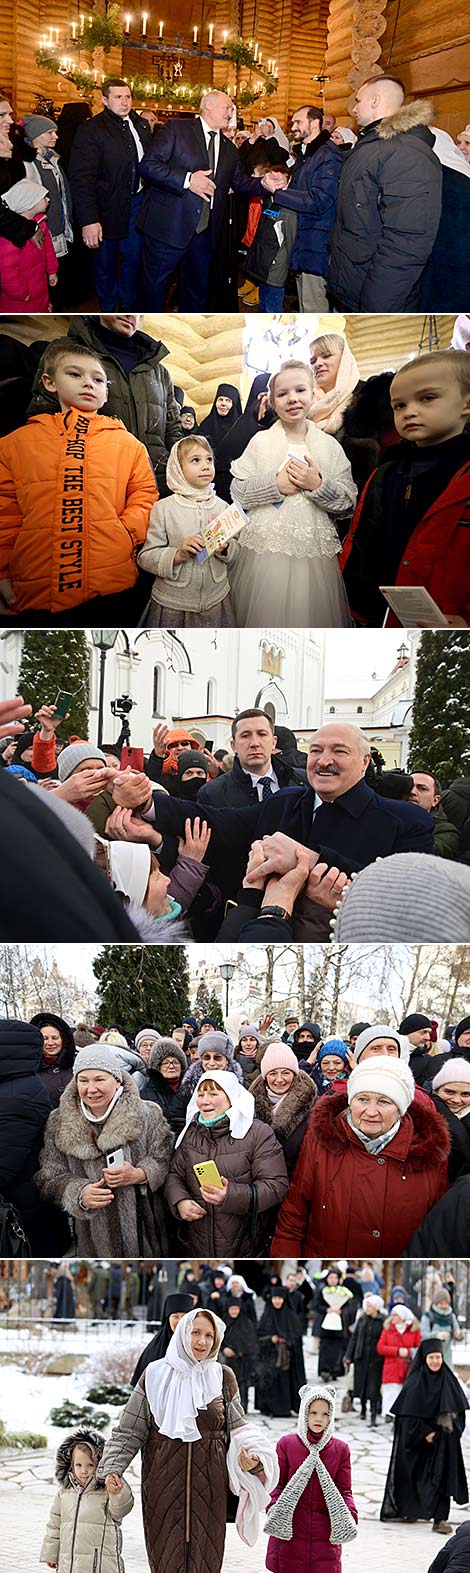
(189, 170)
(107, 193)
(337, 816)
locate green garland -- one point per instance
(105, 32)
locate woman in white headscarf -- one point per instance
(220, 1218)
(181, 1417)
(336, 375)
(444, 285)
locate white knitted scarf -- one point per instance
(279, 1520)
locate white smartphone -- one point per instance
(116, 1159)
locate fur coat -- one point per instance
(74, 1154)
(288, 1119)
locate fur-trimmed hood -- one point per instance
(284, 1117)
(420, 112)
(423, 1139)
(74, 1136)
(84, 1436)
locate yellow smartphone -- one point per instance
(208, 1174)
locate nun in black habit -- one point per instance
(219, 421)
(176, 1306)
(426, 1466)
(281, 1370)
(233, 444)
(239, 1346)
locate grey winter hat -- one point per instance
(215, 1043)
(249, 1031)
(35, 125)
(75, 754)
(371, 1033)
(408, 897)
(94, 1058)
(166, 1048)
(148, 1035)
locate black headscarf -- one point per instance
(426, 1394)
(233, 443)
(158, 1345)
(282, 1320)
(50, 889)
(216, 426)
(188, 409)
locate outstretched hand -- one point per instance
(12, 713)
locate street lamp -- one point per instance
(227, 970)
(103, 640)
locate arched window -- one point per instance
(332, 709)
(359, 710)
(211, 691)
(159, 674)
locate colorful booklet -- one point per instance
(218, 532)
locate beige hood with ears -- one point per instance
(419, 113)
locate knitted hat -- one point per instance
(25, 196)
(414, 1023)
(21, 745)
(115, 1039)
(333, 1046)
(95, 1058)
(215, 1043)
(165, 1049)
(191, 760)
(357, 1028)
(384, 1075)
(452, 1070)
(463, 1026)
(375, 1300)
(147, 1034)
(75, 754)
(371, 1033)
(190, 1021)
(249, 1031)
(279, 1057)
(208, 1021)
(407, 897)
(35, 125)
(442, 1294)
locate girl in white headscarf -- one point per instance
(312, 1512)
(187, 593)
(184, 1415)
(220, 1211)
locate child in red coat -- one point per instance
(27, 271)
(312, 1511)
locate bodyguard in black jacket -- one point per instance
(234, 789)
(107, 193)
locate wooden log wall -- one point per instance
(427, 44)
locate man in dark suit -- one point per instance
(257, 771)
(107, 193)
(189, 170)
(337, 816)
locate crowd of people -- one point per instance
(261, 843)
(174, 214)
(199, 1437)
(285, 512)
(284, 1145)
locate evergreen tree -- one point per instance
(215, 1010)
(139, 985)
(201, 1006)
(439, 739)
(53, 661)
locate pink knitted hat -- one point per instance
(279, 1057)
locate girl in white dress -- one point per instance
(292, 481)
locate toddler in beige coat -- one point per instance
(83, 1534)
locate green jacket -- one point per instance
(446, 836)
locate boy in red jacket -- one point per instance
(412, 523)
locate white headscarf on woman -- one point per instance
(179, 1385)
(278, 132)
(241, 1113)
(348, 136)
(461, 333)
(328, 408)
(448, 154)
(177, 481)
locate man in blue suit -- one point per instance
(337, 816)
(189, 170)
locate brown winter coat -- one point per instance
(83, 1533)
(255, 1159)
(74, 1153)
(184, 1484)
(288, 1119)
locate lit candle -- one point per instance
(128, 22)
(224, 36)
(51, 31)
(56, 30)
(95, 76)
(74, 30)
(145, 17)
(260, 57)
(195, 31)
(211, 34)
(160, 29)
(82, 21)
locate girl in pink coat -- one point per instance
(27, 271)
(312, 1512)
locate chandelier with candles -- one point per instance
(63, 51)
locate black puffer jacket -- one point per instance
(157, 1089)
(56, 1074)
(445, 1231)
(454, 1557)
(101, 171)
(388, 212)
(234, 789)
(144, 399)
(24, 1109)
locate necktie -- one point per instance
(266, 789)
(206, 210)
(132, 148)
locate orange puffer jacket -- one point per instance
(75, 497)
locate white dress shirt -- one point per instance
(206, 132)
(257, 781)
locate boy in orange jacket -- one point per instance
(76, 490)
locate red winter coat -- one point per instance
(395, 1368)
(437, 554)
(344, 1202)
(25, 272)
(310, 1547)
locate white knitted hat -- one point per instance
(388, 1076)
(371, 1033)
(453, 1070)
